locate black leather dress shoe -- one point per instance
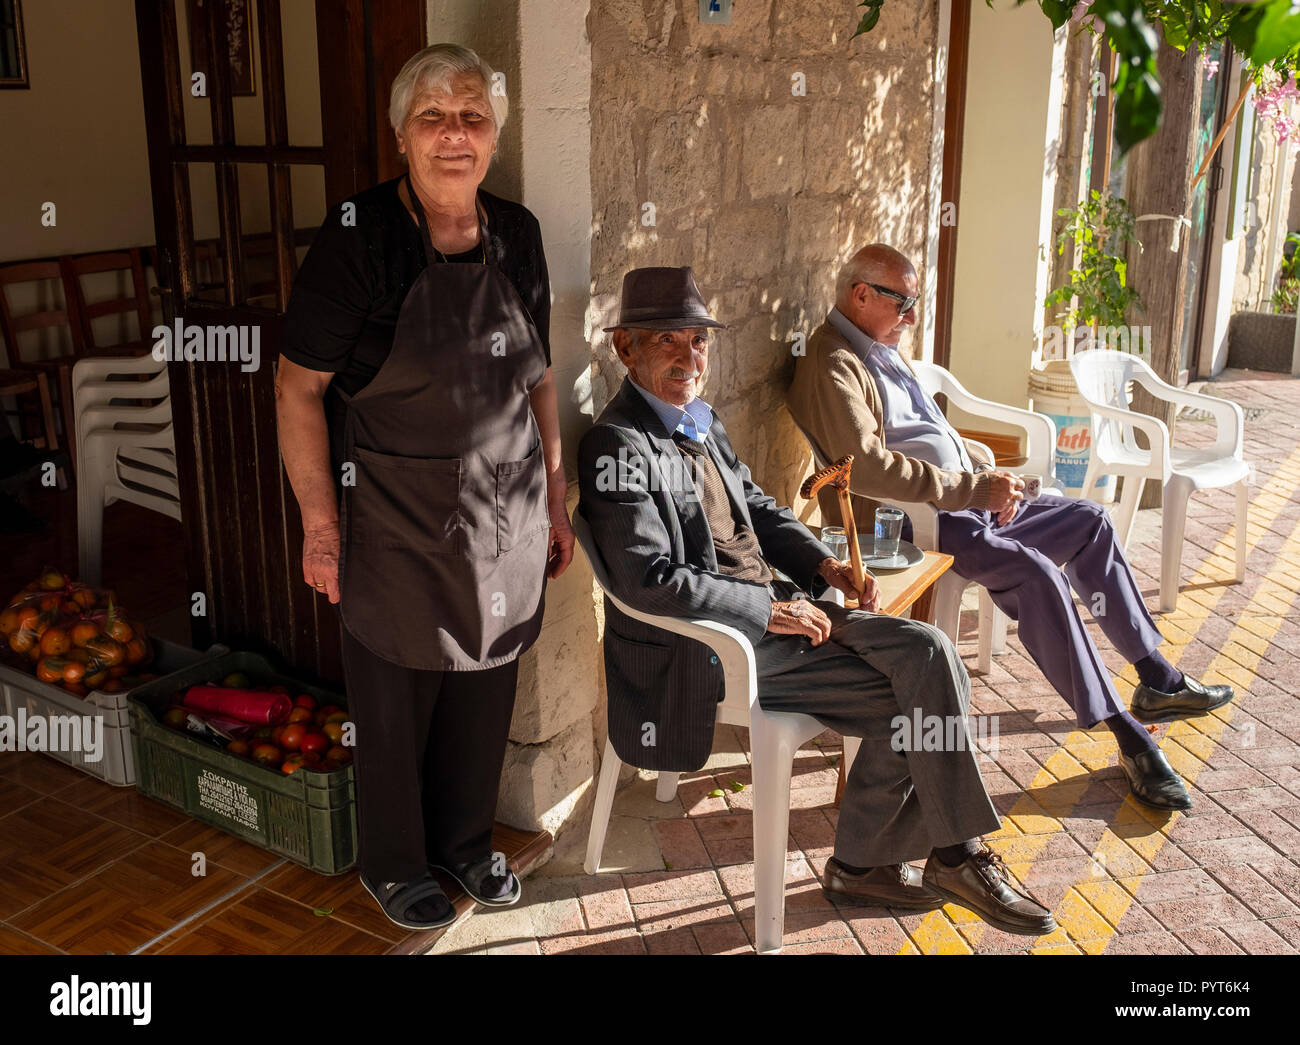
(1153, 705)
(982, 885)
(896, 885)
(1154, 783)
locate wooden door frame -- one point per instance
(954, 126)
(243, 533)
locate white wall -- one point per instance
(76, 137)
(1004, 218)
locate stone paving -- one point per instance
(677, 877)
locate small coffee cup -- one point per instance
(1033, 486)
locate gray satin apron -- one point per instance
(445, 534)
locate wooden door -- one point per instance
(255, 121)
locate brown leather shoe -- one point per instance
(981, 884)
(897, 885)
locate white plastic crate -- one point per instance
(23, 691)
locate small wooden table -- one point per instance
(899, 590)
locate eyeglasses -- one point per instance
(905, 303)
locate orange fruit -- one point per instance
(137, 651)
(83, 631)
(23, 640)
(73, 671)
(117, 628)
(107, 651)
(55, 642)
(9, 620)
(50, 669)
(52, 580)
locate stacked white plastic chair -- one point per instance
(775, 738)
(1103, 377)
(125, 446)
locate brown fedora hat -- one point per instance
(663, 299)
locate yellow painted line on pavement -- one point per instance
(1035, 824)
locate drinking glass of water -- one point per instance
(889, 530)
(837, 541)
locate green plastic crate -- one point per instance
(308, 816)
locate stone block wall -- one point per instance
(764, 191)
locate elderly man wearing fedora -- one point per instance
(685, 532)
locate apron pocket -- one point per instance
(521, 500)
(406, 502)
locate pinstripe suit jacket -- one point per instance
(651, 531)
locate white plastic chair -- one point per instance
(774, 737)
(125, 451)
(1103, 376)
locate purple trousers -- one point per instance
(1019, 564)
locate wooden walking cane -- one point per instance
(837, 476)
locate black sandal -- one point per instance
(473, 876)
(395, 899)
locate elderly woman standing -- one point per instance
(418, 428)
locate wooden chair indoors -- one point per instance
(75, 270)
(56, 365)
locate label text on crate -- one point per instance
(227, 797)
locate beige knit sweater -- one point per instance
(835, 401)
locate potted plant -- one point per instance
(1096, 293)
(1264, 338)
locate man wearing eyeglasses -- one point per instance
(854, 393)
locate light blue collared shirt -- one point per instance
(914, 424)
(693, 420)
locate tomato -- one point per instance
(267, 755)
(175, 717)
(315, 743)
(305, 700)
(333, 730)
(291, 738)
(239, 747)
(299, 715)
(339, 754)
(322, 716)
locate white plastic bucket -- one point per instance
(1053, 392)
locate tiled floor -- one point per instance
(1224, 878)
(87, 868)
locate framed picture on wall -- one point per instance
(13, 53)
(238, 18)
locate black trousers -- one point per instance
(429, 751)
